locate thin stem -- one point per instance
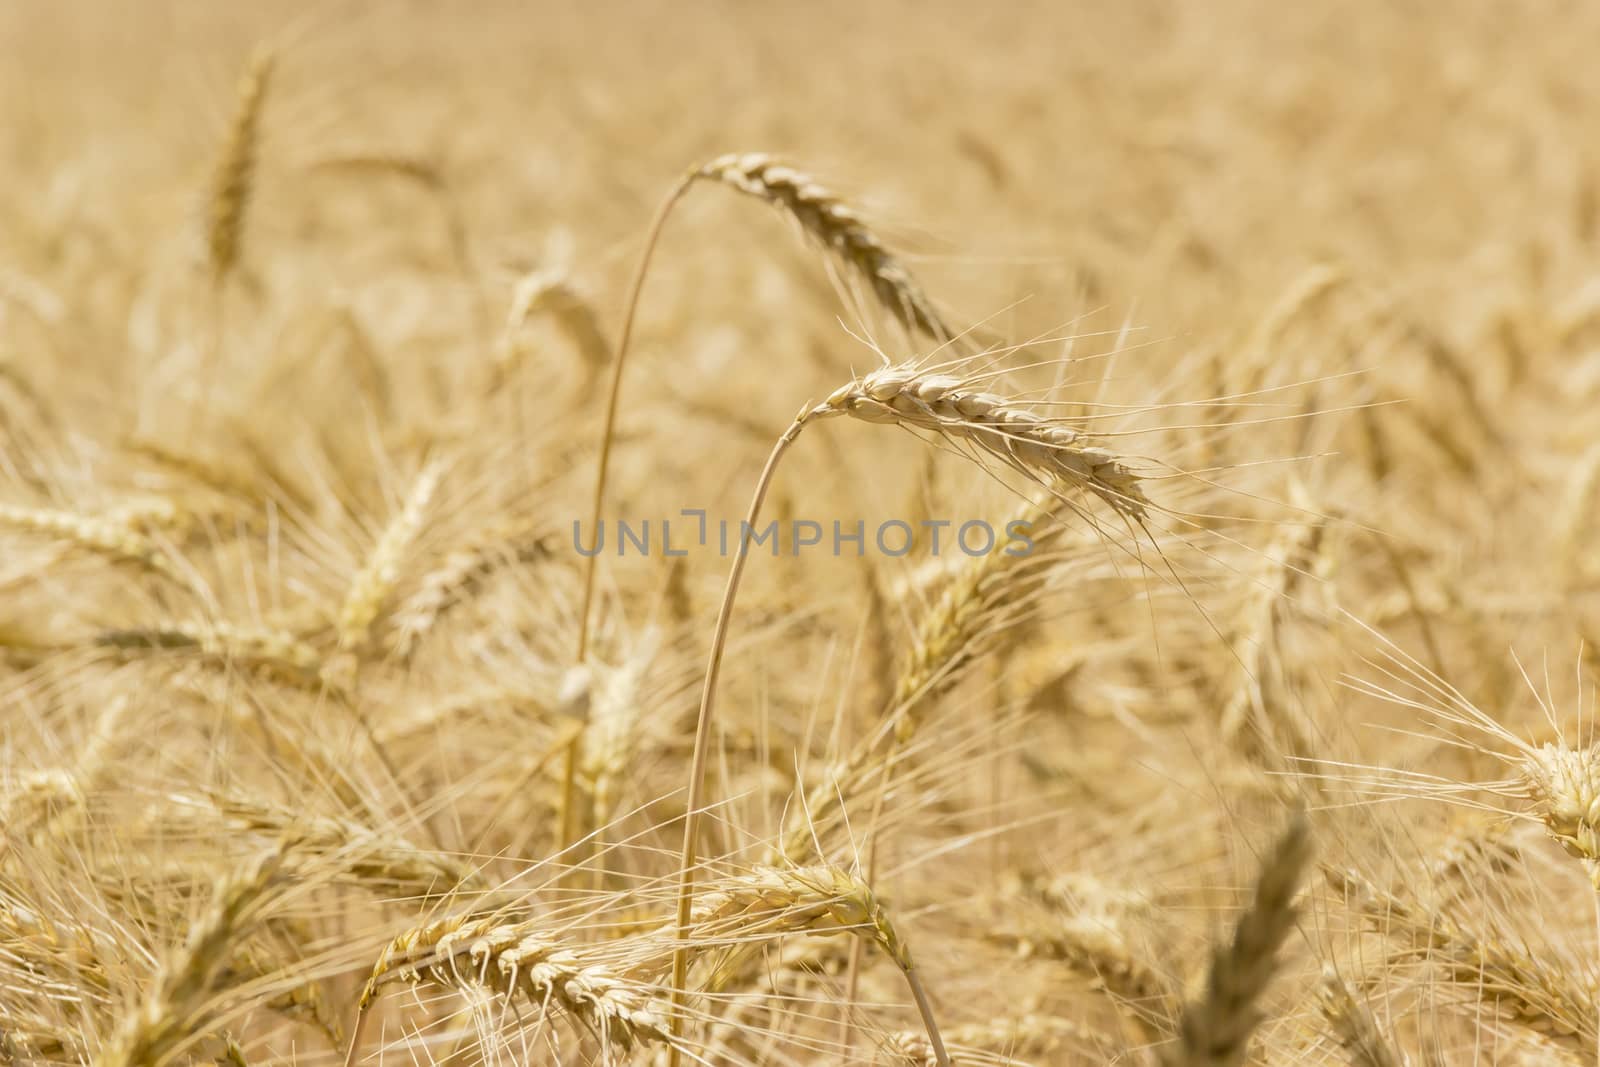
(926, 1011)
(608, 431)
(702, 733)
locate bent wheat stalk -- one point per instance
(909, 396)
(822, 216)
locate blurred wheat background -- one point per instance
(1278, 324)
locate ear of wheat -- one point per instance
(1011, 432)
(234, 179)
(1215, 1030)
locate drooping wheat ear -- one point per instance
(233, 180)
(1541, 993)
(1353, 1025)
(369, 856)
(1086, 929)
(553, 293)
(114, 539)
(373, 583)
(820, 899)
(517, 958)
(458, 575)
(823, 217)
(1563, 784)
(179, 1007)
(1215, 1030)
(1008, 430)
(222, 642)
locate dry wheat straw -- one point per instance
(177, 1008)
(372, 584)
(233, 181)
(1215, 1030)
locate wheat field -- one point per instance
(748, 534)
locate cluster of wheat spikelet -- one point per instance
(326, 737)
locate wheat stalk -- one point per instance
(820, 899)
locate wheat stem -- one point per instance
(702, 733)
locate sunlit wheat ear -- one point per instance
(826, 218)
(114, 539)
(375, 581)
(520, 962)
(233, 180)
(179, 1007)
(818, 899)
(1215, 1030)
(1563, 784)
(1003, 428)
(1353, 1025)
(223, 643)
